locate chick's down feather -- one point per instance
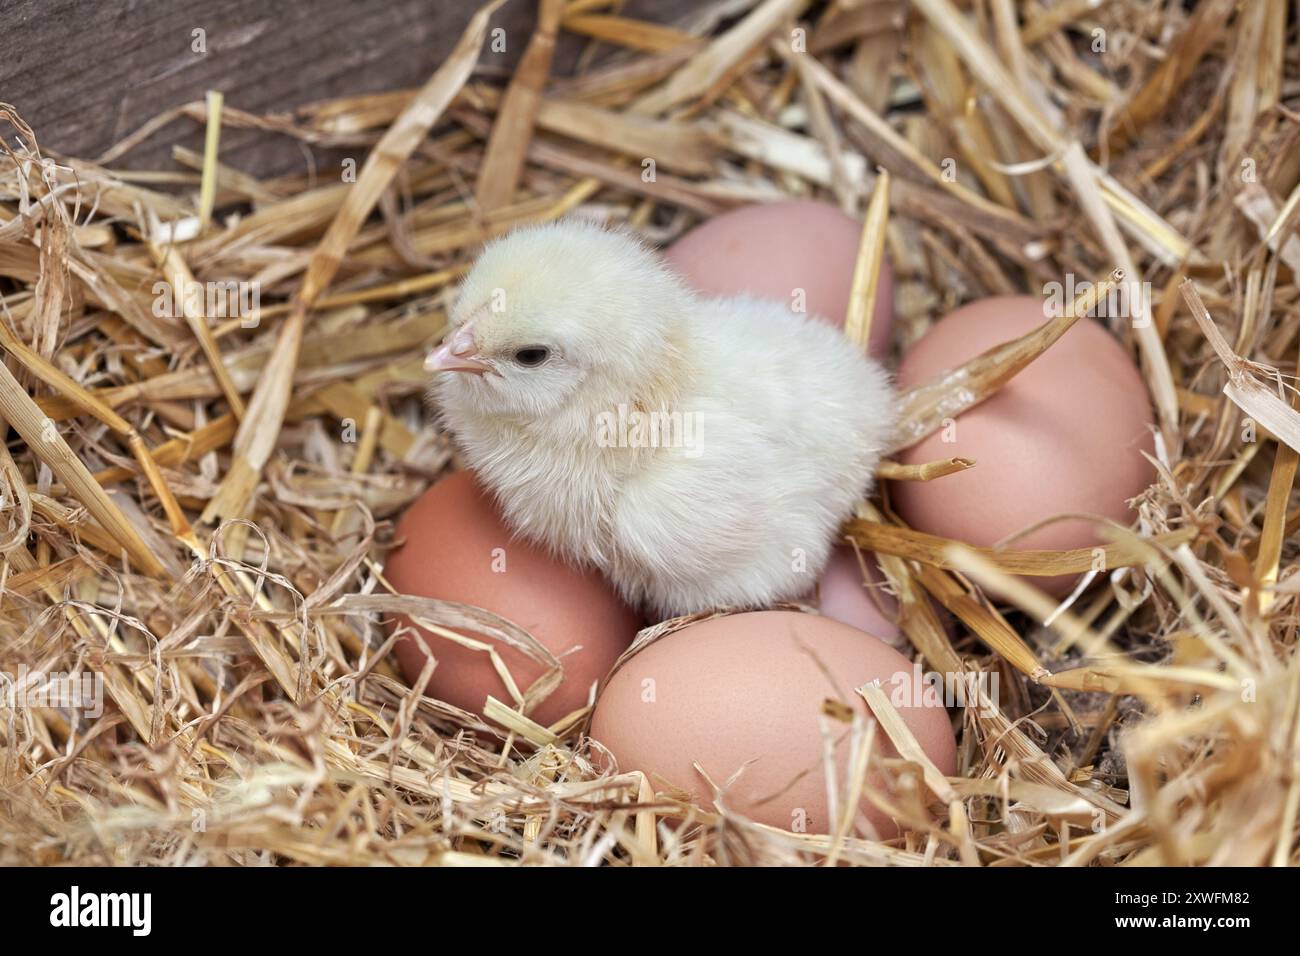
(701, 452)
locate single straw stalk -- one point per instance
(923, 408)
(866, 271)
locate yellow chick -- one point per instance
(700, 452)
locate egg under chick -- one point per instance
(701, 452)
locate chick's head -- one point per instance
(560, 313)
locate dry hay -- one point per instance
(185, 515)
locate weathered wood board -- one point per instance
(86, 73)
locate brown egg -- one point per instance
(746, 691)
(1066, 435)
(770, 250)
(841, 595)
(457, 549)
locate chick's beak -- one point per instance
(458, 354)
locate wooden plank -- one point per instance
(86, 75)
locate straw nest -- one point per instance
(185, 513)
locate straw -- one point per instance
(255, 711)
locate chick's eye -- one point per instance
(532, 356)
